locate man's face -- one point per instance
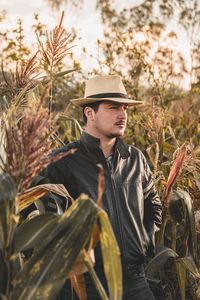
(110, 119)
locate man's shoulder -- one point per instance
(60, 158)
(66, 148)
(135, 150)
(137, 153)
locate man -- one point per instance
(130, 198)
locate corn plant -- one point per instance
(60, 246)
(178, 247)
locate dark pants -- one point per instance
(135, 287)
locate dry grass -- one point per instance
(28, 145)
(56, 46)
(15, 87)
(52, 53)
(154, 121)
(24, 78)
(26, 124)
(26, 72)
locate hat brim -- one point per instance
(83, 101)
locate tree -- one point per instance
(140, 39)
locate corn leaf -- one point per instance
(96, 280)
(111, 257)
(187, 202)
(156, 265)
(31, 232)
(190, 265)
(198, 292)
(39, 191)
(63, 73)
(160, 235)
(182, 266)
(180, 207)
(45, 273)
(1, 236)
(7, 201)
(181, 272)
(78, 284)
(45, 79)
(2, 297)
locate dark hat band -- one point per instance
(109, 95)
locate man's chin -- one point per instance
(117, 134)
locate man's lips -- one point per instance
(120, 123)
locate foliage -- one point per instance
(46, 65)
(162, 135)
(140, 47)
(168, 122)
(140, 38)
(13, 47)
(64, 237)
(60, 246)
(178, 231)
(56, 4)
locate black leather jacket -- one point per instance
(130, 198)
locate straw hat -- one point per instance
(101, 88)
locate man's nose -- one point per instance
(123, 113)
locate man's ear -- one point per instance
(89, 113)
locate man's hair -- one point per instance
(94, 106)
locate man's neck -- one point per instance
(107, 146)
(106, 143)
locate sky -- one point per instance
(86, 21)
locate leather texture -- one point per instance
(130, 198)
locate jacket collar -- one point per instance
(93, 142)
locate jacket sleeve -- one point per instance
(53, 202)
(152, 207)
(55, 173)
(49, 203)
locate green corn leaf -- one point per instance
(1, 236)
(198, 293)
(160, 235)
(46, 79)
(95, 278)
(180, 207)
(156, 266)
(63, 73)
(7, 202)
(183, 265)
(33, 95)
(2, 297)
(181, 272)
(20, 99)
(70, 127)
(175, 208)
(45, 273)
(111, 257)
(189, 264)
(31, 232)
